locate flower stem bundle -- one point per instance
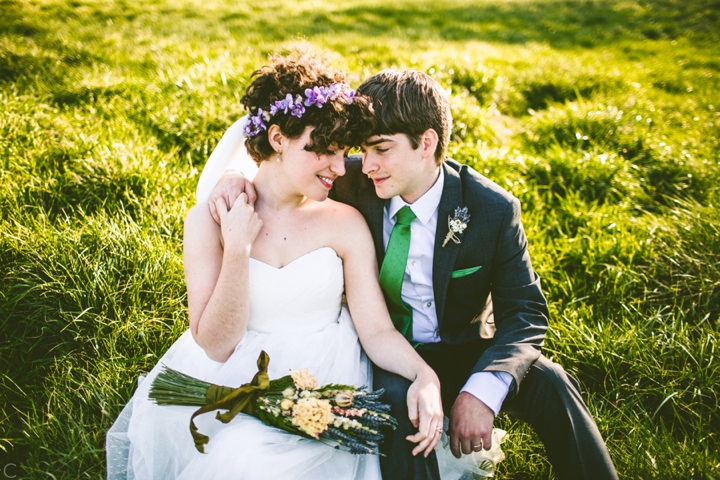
(343, 416)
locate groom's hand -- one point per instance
(229, 188)
(471, 424)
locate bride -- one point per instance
(272, 278)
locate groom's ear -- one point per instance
(428, 142)
(276, 138)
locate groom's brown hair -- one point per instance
(409, 102)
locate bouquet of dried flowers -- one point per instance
(343, 416)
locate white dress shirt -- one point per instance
(417, 289)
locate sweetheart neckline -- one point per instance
(296, 259)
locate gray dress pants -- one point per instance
(549, 400)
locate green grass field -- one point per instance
(603, 117)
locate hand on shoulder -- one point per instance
(229, 188)
(238, 226)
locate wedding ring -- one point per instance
(439, 429)
(478, 446)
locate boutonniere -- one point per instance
(457, 225)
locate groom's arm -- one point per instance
(491, 388)
(519, 306)
(520, 313)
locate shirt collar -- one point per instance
(424, 207)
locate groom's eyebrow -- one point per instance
(379, 140)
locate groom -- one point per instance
(459, 284)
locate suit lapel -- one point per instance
(444, 257)
(371, 206)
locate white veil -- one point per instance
(229, 154)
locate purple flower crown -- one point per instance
(317, 96)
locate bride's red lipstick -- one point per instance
(325, 182)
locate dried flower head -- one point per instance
(303, 379)
(312, 415)
(343, 399)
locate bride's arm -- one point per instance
(385, 346)
(217, 276)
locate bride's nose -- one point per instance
(338, 165)
(369, 166)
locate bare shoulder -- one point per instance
(199, 213)
(343, 216)
(199, 222)
(349, 231)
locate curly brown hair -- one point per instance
(336, 123)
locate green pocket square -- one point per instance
(465, 271)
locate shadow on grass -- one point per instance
(561, 24)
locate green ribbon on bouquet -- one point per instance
(171, 387)
(238, 400)
(263, 398)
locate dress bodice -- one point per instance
(303, 296)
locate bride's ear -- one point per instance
(276, 139)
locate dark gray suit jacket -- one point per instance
(505, 286)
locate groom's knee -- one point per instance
(553, 377)
(548, 391)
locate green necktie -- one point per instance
(392, 271)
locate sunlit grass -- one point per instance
(603, 118)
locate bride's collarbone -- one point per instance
(285, 238)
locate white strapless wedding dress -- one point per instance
(297, 317)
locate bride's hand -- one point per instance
(240, 225)
(426, 412)
(229, 188)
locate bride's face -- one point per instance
(312, 173)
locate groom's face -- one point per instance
(396, 168)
